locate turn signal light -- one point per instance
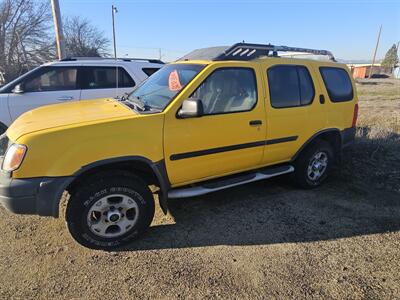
(14, 157)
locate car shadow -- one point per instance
(353, 202)
(271, 212)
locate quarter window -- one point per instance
(337, 83)
(290, 86)
(52, 79)
(150, 71)
(228, 90)
(104, 78)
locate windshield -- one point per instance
(159, 89)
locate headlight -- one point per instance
(14, 157)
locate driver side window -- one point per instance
(53, 79)
(228, 90)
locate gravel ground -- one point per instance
(262, 240)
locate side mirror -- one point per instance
(191, 108)
(18, 89)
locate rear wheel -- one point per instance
(314, 165)
(110, 210)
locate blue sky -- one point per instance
(348, 28)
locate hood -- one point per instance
(66, 114)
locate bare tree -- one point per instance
(27, 37)
(83, 39)
(24, 36)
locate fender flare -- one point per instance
(158, 169)
(313, 138)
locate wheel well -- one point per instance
(142, 169)
(3, 128)
(333, 137)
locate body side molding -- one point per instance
(231, 148)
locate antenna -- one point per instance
(113, 12)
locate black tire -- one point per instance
(301, 176)
(95, 190)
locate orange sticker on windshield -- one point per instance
(174, 83)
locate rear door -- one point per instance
(48, 85)
(338, 89)
(101, 82)
(294, 109)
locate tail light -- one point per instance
(355, 115)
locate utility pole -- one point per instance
(159, 53)
(58, 28)
(113, 12)
(376, 49)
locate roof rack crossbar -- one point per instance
(77, 58)
(246, 51)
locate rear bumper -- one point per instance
(348, 137)
(33, 196)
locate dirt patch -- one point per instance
(263, 240)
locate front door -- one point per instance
(228, 138)
(49, 85)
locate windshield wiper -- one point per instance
(139, 105)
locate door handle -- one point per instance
(65, 98)
(255, 122)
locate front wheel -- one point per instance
(110, 210)
(314, 165)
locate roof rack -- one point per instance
(247, 51)
(150, 60)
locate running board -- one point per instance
(221, 184)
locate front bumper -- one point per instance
(33, 196)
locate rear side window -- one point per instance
(337, 83)
(290, 86)
(150, 71)
(105, 78)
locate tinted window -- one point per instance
(52, 79)
(337, 83)
(150, 71)
(104, 78)
(290, 86)
(228, 90)
(306, 86)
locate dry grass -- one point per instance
(374, 161)
(378, 89)
(265, 240)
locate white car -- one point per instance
(70, 80)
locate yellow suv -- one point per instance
(217, 118)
